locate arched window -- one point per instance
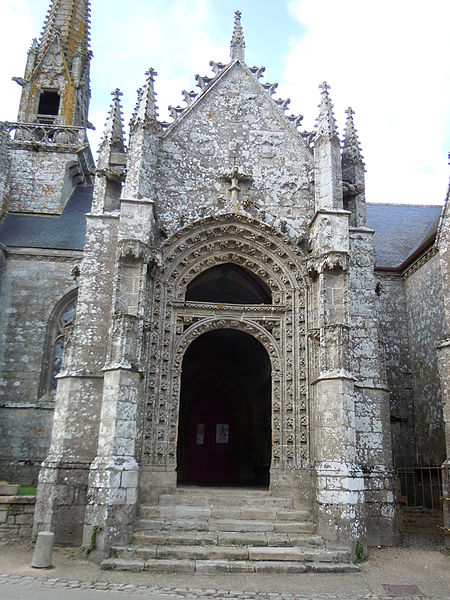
(229, 283)
(60, 323)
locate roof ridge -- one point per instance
(404, 204)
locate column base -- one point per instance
(113, 503)
(61, 500)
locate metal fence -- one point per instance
(419, 500)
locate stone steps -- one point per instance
(238, 525)
(226, 566)
(206, 530)
(252, 553)
(221, 512)
(232, 538)
(227, 499)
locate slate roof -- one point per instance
(400, 229)
(64, 232)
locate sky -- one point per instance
(387, 59)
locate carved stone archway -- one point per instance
(280, 327)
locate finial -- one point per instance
(352, 147)
(113, 135)
(237, 46)
(326, 123)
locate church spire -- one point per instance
(326, 123)
(237, 46)
(70, 20)
(55, 87)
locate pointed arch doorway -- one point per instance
(224, 435)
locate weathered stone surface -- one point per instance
(349, 377)
(16, 518)
(43, 551)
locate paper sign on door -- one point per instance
(200, 433)
(222, 433)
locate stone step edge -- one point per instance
(225, 566)
(250, 502)
(231, 553)
(214, 512)
(202, 490)
(235, 539)
(218, 521)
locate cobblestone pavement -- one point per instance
(157, 591)
(425, 572)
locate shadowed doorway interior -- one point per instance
(225, 411)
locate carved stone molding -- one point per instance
(124, 351)
(330, 261)
(420, 262)
(137, 250)
(280, 327)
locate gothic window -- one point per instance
(59, 326)
(229, 283)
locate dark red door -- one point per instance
(210, 440)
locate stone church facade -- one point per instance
(214, 304)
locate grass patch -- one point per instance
(27, 490)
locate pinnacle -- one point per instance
(146, 103)
(326, 123)
(113, 136)
(237, 46)
(352, 148)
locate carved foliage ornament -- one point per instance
(276, 261)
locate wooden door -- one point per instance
(210, 458)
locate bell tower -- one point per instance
(50, 153)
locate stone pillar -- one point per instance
(61, 496)
(339, 480)
(340, 484)
(114, 475)
(372, 408)
(443, 355)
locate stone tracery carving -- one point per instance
(277, 261)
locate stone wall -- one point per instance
(4, 168)
(391, 308)
(2, 267)
(425, 314)
(16, 518)
(33, 284)
(47, 193)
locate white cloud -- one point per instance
(14, 42)
(388, 60)
(385, 58)
(174, 37)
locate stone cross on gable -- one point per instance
(234, 178)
